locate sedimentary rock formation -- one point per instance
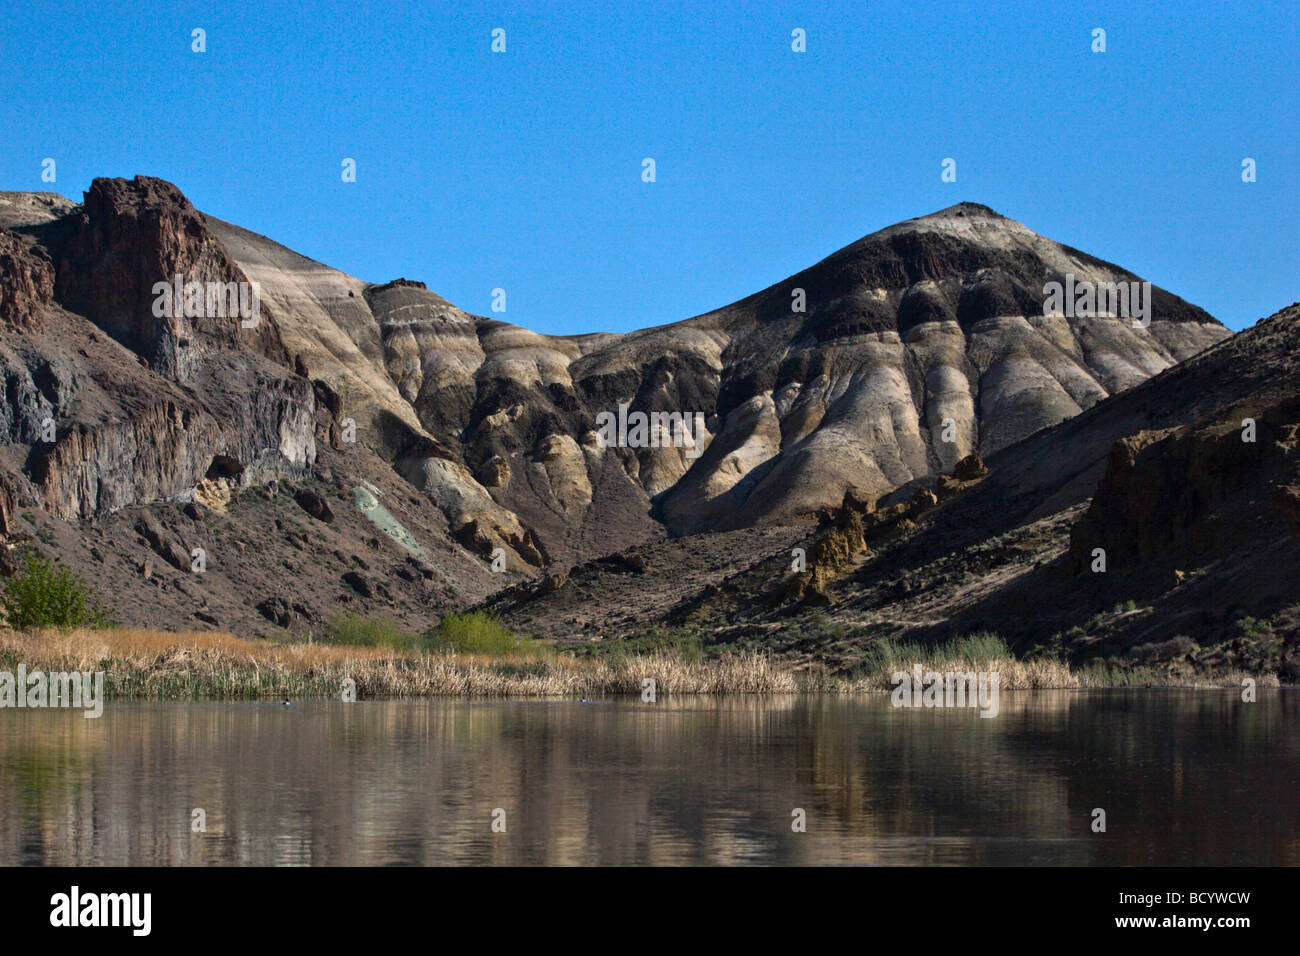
(887, 364)
(917, 346)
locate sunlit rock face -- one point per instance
(920, 344)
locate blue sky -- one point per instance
(522, 169)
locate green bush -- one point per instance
(477, 632)
(47, 594)
(982, 648)
(888, 655)
(360, 630)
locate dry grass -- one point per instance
(1013, 674)
(987, 653)
(159, 665)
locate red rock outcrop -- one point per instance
(125, 239)
(26, 281)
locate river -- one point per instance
(1183, 776)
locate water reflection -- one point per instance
(1193, 777)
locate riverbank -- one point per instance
(160, 665)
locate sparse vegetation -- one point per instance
(1053, 648)
(982, 651)
(1253, 627)
(477, 632)
(683, 643)
(45, 593)
(824, 626)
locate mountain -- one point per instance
(1188, 484)
(433, 437)
(939, 317)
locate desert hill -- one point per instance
(372, 445)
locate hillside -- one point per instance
(371, 446)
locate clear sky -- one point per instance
(522, 169)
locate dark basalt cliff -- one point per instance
(140, 408)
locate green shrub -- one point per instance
(888, 655)
(1252, 627)
(682, 643)
(980, 648)
(1050, 649)
(477, 632)
(375, 630)
(47, 594)
(818, 626)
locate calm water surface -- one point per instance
(1185, 777)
